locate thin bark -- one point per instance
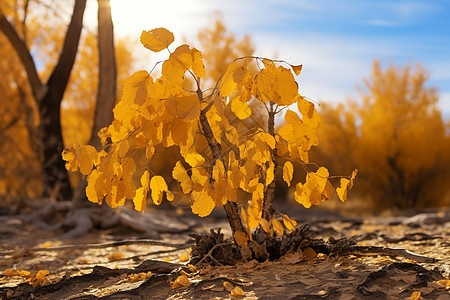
(231, 208)
(269, 193)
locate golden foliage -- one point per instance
(396, 138)
(155, 112)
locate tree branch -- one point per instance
(37, 88)
(57, 81)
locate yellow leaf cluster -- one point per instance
(35, 279)
(80, 158)
(316, 189)
(155, 112)
(270, 84)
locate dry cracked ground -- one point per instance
(120, 263)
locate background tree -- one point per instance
(48, 96)
(396, 137)
(42, 28)
(221, 47)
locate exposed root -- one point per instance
(74, 222)
(212, 248)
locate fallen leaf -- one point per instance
(228, 286)
(237, 291)
(309, 253)
(184, 257)
(181, 281)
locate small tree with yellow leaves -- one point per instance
(159, 111)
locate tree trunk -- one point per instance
(106, 93)
(269, 193)
(56, 177)
(231, 208)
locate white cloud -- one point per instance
(302, 32)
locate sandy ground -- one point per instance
(92, 267)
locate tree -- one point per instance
(160, 112)
(19, 163)
(48, 96)
(396, 137)
(221, 48)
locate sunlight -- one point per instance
(131, 17)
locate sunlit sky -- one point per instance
(336, 41)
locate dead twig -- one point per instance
(372, 250)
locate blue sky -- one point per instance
(336, 41)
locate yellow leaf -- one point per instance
(228, 286)
(71, 159)
(237, 292)
(197, 63)
(342, 190)
(200, 177)
(38, 278)
(123, 148)
(300, 196)
(352, 178)
(290, 224)
(240, 108)
(140, 200)
(86, 159)
(445, 283)
(181, 281)
(203, 204)
(266, 226)
(91, 191)
(188, 108)
(218, 172)
(157, 39)
(321, 177)
(13, 272)
(149, 151)
(288, 170)
(277, 227)
(173, 71)
(227, 83)
(241, 238)
(158, 186)
(297, 69)
(309, 112)
(416, 295)
(194, 159)
(184, 257)
(270, 173)
(180, 174)
(145, 179)
(276, 84)
(183, 55)
(139, 277)
(266, 138)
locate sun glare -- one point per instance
(181, 17)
